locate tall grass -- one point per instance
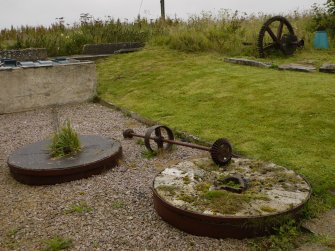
(61, 39)
(227, 32)
(223, 32)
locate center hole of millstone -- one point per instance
(234, 183)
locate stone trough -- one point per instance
(195, 197)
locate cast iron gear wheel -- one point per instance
(277, 41)
(221, 152)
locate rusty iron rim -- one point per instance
(238, 227)
(157, 129)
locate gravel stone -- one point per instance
(122, 216)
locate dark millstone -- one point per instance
(249, 62)
(327, 68)
(297, 67)
(33, 165)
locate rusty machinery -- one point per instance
(221, 150)
(277, 34)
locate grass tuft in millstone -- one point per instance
(65, 141)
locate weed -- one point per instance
(140, 142)
(10, 240)
(147, 154)
(268, 209)
(207, 165)
(256, 196)
(12, 233)
(284, 238)
(117, 205)
(230, 183)
(187, 198)
(222, 202)
(80, 207)
(202, 187)
(65, 141)
(57, 243)
(283, 176)
(171, 190)
(186, 180)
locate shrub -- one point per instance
(324, 17)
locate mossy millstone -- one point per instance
(246, 199)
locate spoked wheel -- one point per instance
(277, 34)
(158, 133)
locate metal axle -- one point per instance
(157, 139)
(221, 150)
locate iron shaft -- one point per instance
(174, 142)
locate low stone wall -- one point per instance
(96, 49)
(29, 88)
(31, 54)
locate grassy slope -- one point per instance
(285, 117)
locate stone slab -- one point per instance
(297, 67)
(91, 57)
(323, 225)
(311, 247)
(243, 61)
(29, 54)
(327, 68)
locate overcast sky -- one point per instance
(36, 12)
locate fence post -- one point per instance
(162, 10)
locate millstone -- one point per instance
(247, 198)
(33, 165)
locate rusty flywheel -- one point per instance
(277, 34)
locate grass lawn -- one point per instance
(284, 117)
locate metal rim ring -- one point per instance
(239, 227)
(158, 133)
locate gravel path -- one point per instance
(122, 216)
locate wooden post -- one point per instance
(162, 10)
